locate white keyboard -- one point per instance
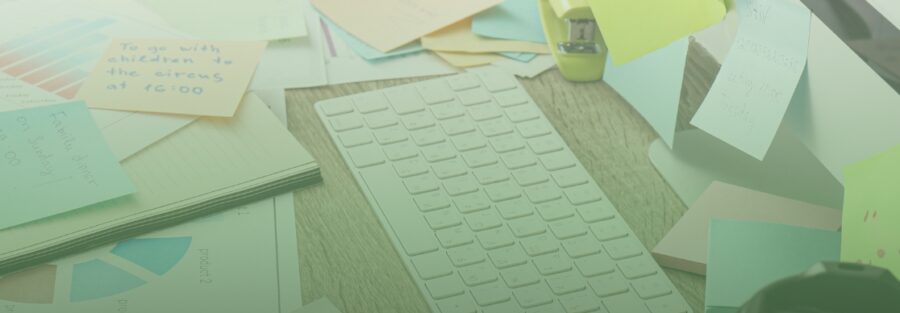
(486, 204)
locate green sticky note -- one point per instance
(634, 28)
(746, 256)
(366, 51)
(871, 215)
(661, 71)
(512, 20)
(53, 159)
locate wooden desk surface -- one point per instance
(346, 255)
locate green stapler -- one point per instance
(574, 39)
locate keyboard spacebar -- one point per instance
(398, 207)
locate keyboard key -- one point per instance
(445, 287)
(432, 265)
(566, 282)
(438, 152)
(443, 218)
(381, 120)
(431, 201)
(495, 127)
(485, 111)
(343, 123)
(491, 293)
(470, 141)
(532, 129)
(530, 175)
(511, 98)
(454, 236)
(477, 274)
(466, 255)
(609, 284)
(581, 302)
(366, 156)
(473, 96)
(436, 92)
(463, 82)
(448, 110)
(542, 192)
(568, 228)
(552, 263)
(570, 177)
(625, 303)
(518, 159)
(460, 185)
(417, 120)
(405, 100)
(667, 304)
(496, 82)
(540, 244)
(527, 226)
(596, 211)
(623, 248)
(637, 267)
(520, 275)
(651, 287)
(491, 174)
(545, 144)
(456, 126)
(472, 202)
(594, 265)
(370, 102)
(506, 143)
(522, 113)
(421, 184)
(557, 161)
(336, 107)
(401, 151)
(427, 136)
(533, 295)
(410, 167)
(581, 246)
(449, 168)
(555, 210)
(399, 209)
(609, 230)
(503, 191)
(355, 138)
(495, 238)
(479, 157)
(482, 220)
(386, 136)
(458, 304)
(583, 194)
(515, 208)
(552, 307)
(508, 306)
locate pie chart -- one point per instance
(97, 278)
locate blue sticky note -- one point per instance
(519, 56)
(662, 72)
(366, 51)
(53, 159)
(512, 20)
(745, 256)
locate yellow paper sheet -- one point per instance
(460, 38)
(234, 20)
(871, 221)
(390, 24)
(633, 28)
(469, 59)
(175, 76)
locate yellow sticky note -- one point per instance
(175, 76)
(460, 38)
(871, 216)
(459, 59)
(633, 28)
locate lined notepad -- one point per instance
(212, 164)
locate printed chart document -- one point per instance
(236, 20)
(637, 27)
(174, 76)
(870, 232)
(751, 93)
(685, 246)
(512, 20)
(390, 24)
(53, 160)
(237, 261)
(47, 56)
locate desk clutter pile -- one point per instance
(146, 165)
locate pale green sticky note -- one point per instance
(871, 215)
(53, 159)
(750, 96)
(512, 20)
(634, 28)
(366, 51)
(234, 20)
(745, 256)
(661, 71)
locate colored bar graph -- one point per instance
(51, 56)
(70, 92)
(60, 67)
(29, 38)
(35, 48)
(64, 80)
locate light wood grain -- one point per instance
(346, 255)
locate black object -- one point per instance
(830, 287)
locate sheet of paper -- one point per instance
(871, 214)
(275, 99)
(634, 28)
(461, 59)
(889, 8)
(837, 133)
(49, 54)
(242, 20)
(512, 20)
(389, 24)
(685, 246)
(661, 71)
(294, 63)
(460, 38)
(750, 96)
(345, 66)
(366, 51)
(54, 160)
(790, 171)
(745, 256)
(718, 39)
(322, 305)
(519, 56)
(176, 76)
(530, 69)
